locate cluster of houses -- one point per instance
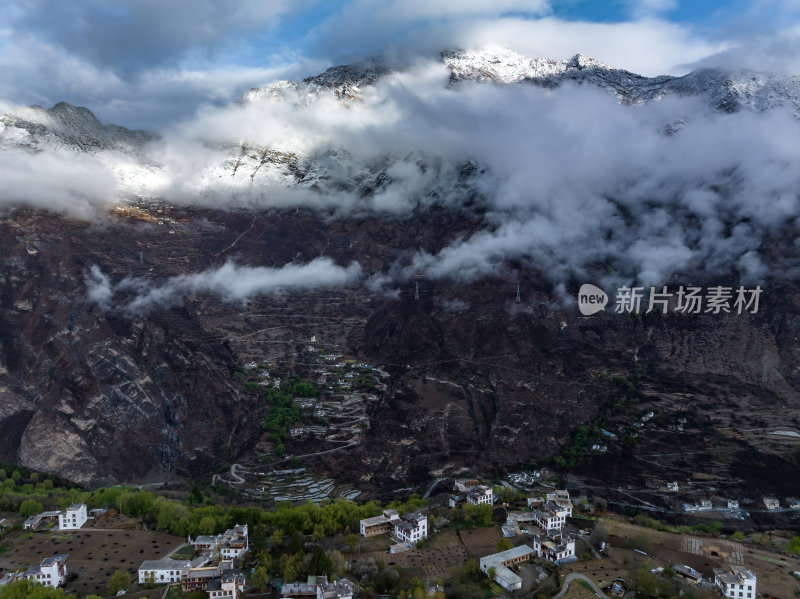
(705, 505)
(550, 516)
(51, 572)
(318, 587)
(71, 518)
(220, 582)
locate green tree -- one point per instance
(483, 515)
(260, 579)
(276, 538)
(352, 541)
(119, 581)
(207, 525)
(503, 544)
(318, 532)
(738, 536)
(27, 589)
(29, 507)
(793, 546)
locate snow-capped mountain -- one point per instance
(68, 126)
(725, 90)
(253, 164)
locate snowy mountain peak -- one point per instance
(581, 61)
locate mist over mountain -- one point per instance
(570, 162)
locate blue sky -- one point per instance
(147, 63)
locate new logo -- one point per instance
(591, 299)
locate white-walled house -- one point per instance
(735, 582)
(411, 528)
(229, 585)
(552, 516)
(51, 572)
(162, 571)
(479, 494)
(555, 548)
(73, 517)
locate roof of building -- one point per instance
(60, 557)
(505, 576)
(497, 559)
(76, 506)
(688, 571)
(376, 520)
(164, 564)
(733, 574)
(205, 540)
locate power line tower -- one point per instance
(518, 300)
(764, 377)
(416, 278)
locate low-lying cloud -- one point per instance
(231, 282)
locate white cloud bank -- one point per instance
(231, 282)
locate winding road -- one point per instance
(579, 576)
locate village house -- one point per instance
(162, 571)
(411, 528)
(735, 582)
(51, 572)
(688, 573)
(480, 494)
(673, 486)
(771, 503)
(556, 548)
(40, 520)
(733, 504)
(500, 562)
(229, 585)
(73, 517)
(552, 516)
(379, 525)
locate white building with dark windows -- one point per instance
(551, 516)
(51, 572)
(736, 582)
(73, 517)
(479, 494)
(556, 548)
(162, 571)
(411, 528)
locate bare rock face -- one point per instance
(95, 396)
(476, 380)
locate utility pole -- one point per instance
(416, 290)
(518, 300)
